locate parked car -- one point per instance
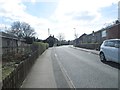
(110, 50)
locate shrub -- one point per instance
(41, 47)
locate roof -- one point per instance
(112, 39)
(82, 35)
(52, 37)
(9, 36)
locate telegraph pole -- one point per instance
(48, 32)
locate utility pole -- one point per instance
(76, 36)
(48, 32)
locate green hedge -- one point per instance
(40, 46)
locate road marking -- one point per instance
(65, 72)
(55, 55)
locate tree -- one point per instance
(75, 34)
(21, 30)
(28, 31)
(15, 29)
(61, 36)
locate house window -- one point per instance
(104, 33)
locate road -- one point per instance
(68, 67)
(84, 69)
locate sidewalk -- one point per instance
(41, 74)
(87, 50)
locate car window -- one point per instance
(117, 44)
(105, 43)
(110, 43)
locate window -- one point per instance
(110, 43)
(106, 43)
(117, 44)
(104, 33)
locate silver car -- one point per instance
(110, 50)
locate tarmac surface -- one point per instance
(71, 67)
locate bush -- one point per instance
(41, 47)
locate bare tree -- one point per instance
(61, 37)
(28, 31)
(21, 29)
(15, 29)
(75, 34)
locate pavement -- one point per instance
(41, 75)
(86, 50)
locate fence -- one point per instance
(15, 49)
(16, 53)
(15, 79)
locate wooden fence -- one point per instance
(15, 79)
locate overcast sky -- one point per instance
(61, 16)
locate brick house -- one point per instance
(94, 40)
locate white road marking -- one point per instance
(65, 72)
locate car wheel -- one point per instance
(102, 57)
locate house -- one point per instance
(79, 40)
(95, 39)
(51, 40)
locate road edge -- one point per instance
(83, 50)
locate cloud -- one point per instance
(16, 11)
(73, 7)
(83, 15)
(33, 1)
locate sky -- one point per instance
(60, 16)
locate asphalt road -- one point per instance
(80, 69)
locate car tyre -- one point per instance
(102, 57)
